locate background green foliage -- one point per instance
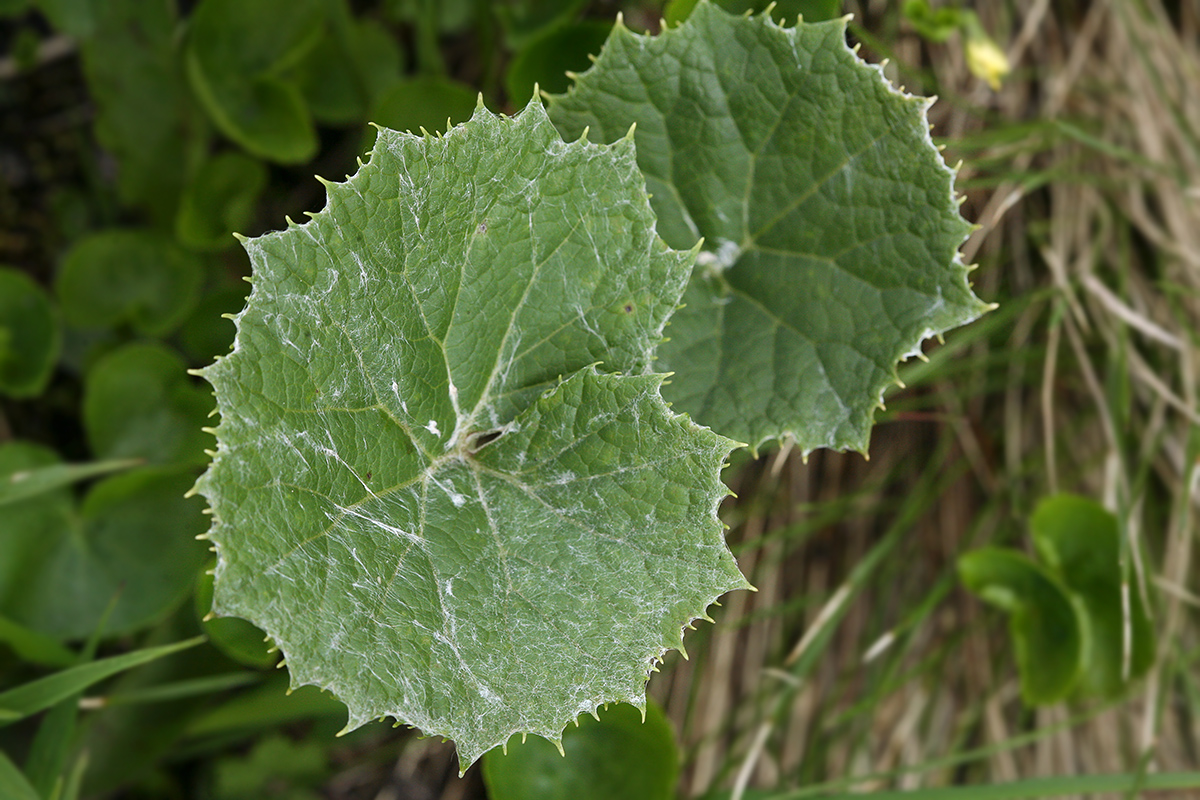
(138, 136)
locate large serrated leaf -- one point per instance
(408, 497)
(830, 228)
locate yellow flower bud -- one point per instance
(986, 60)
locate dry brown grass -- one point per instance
(1084, 174)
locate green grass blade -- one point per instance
(263, 707)
(74, 783)
(40, 694)
(51, 744)
(1030, 789)
(14, 785)
(37, 648)
(30, 482)
(181, 689)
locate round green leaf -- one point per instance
(220, 199)
(133, 540)
(1080, 540)
(1049, 633)
(829, 223)
(617, 757)
(30, 335)
(128, 277)
(72, 17)
(13, 8)
(139, 402)
(425, 102)
(145, 115)
(347, 71)
(236, 52)
(234, 637)
(330, 84)
(546, 60)
(32, 525)
(208, 333)
(424, 490)
(524, 20)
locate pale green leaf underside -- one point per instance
(365, 517)
(828, 218)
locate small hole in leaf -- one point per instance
(478, 441)
(483, 227)
(629, 308)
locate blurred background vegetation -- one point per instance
(137, 135)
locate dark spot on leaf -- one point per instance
(629, 308)
(483, 227)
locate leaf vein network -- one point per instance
(485, 395)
